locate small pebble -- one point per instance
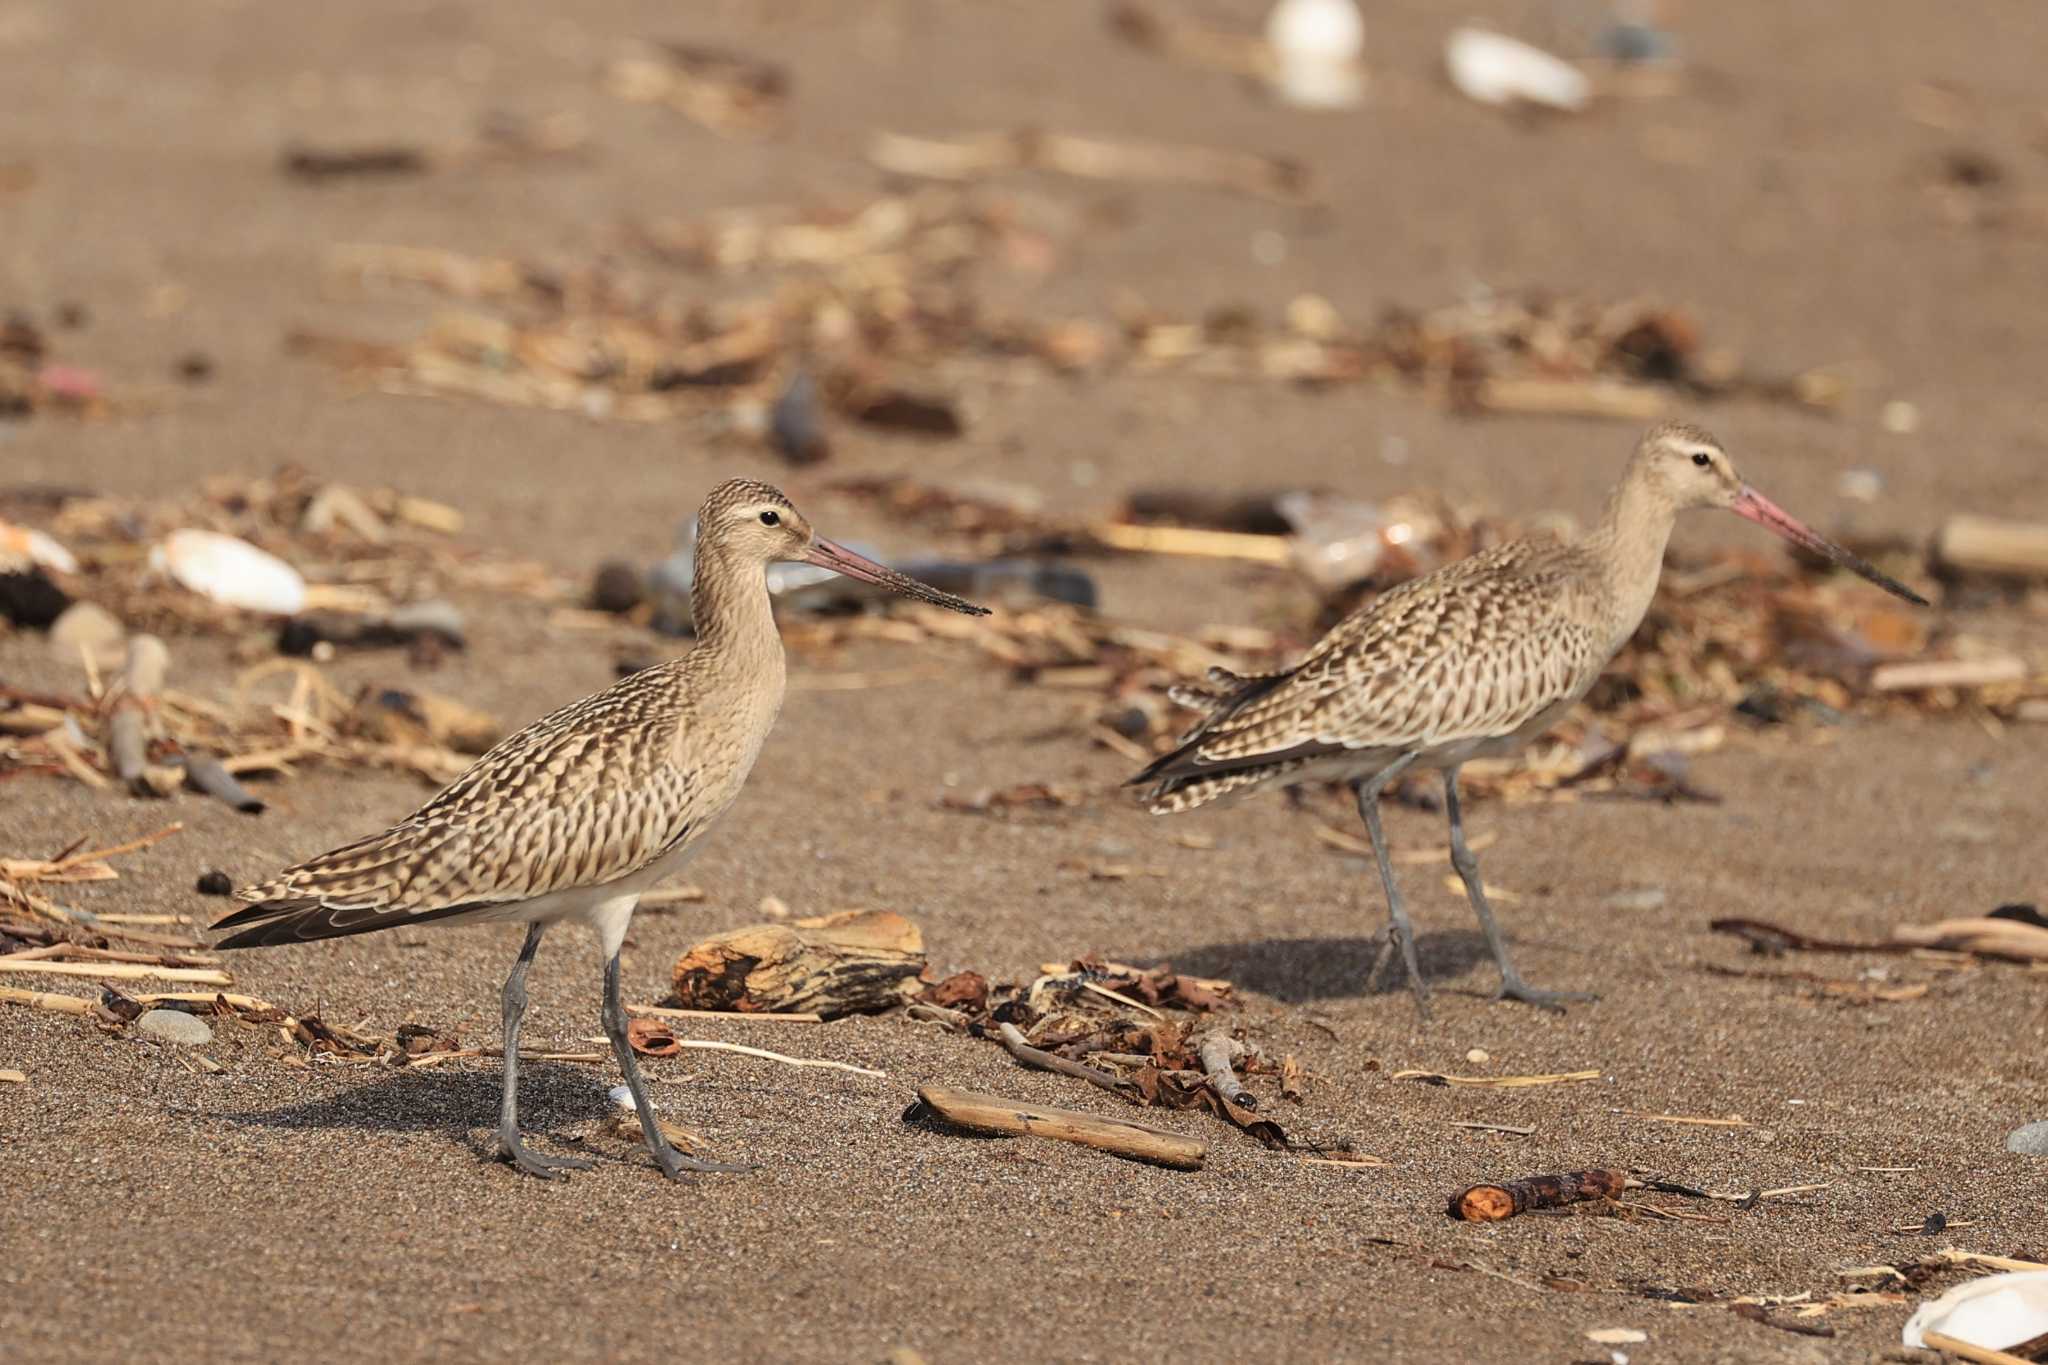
(1900, 418)
(195, 367)
(1479, 1056)
(618, 588)
(774, 907)
(1648, 898)
(1860, 485)
(215, 883)
(175, 1026)
(2031, 1140)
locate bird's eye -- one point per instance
(1702, 459)
(770, 519)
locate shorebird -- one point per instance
(1474, 660)
(579, 813)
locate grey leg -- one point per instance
(510, 1148)
(1512, 987)
(672, 1162)
(1400, 930)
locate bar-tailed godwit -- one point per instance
(579, 813)
(1474, 660)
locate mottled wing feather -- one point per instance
(587, 795)
(1476, 650)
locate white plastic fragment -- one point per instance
(1317, 50)
(1996, 1312)
(1496, 69)
(230, 571)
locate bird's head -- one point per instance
(1686, 468)
(754, 522)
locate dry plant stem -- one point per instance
(1218, 1051)
(1014, 1044)
(1490, 1203)
(1176, 540)
(1984, 1355)
(1574, 398)
(121, 971)
(1122, 1137)
(785, 1059)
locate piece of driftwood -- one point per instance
(1014, 1044)
(1490, 1203)
(1964, 1350)
(1008, 1118)
(1574, 398)
(1986, 936)
(1993, 545)
(1917, 675)
(853, 962)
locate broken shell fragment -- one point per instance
(1995, 1313)
(1496, 69)
(230, 571)
(1316, 46)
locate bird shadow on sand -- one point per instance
(1300, 971)
(463, 1104)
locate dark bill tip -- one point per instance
(830, 555)
(1761, 510)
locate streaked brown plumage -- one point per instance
(1474, 660)
(579, 813)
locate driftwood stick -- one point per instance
(1490, 1203)
(1121, 1137)
(1963, 1350)
(56, 1002)
(1217, 1051)
(1994, 546)
(121, 971)
(1014, 1044)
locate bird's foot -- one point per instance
(1514, 988)
(675, 1165)
(517, 1155)
(1391, 939)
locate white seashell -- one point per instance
(622, 1098)
(19, 542)
(1317, 46)
(230, 571)
(1996, 1312)
(1496, 69)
